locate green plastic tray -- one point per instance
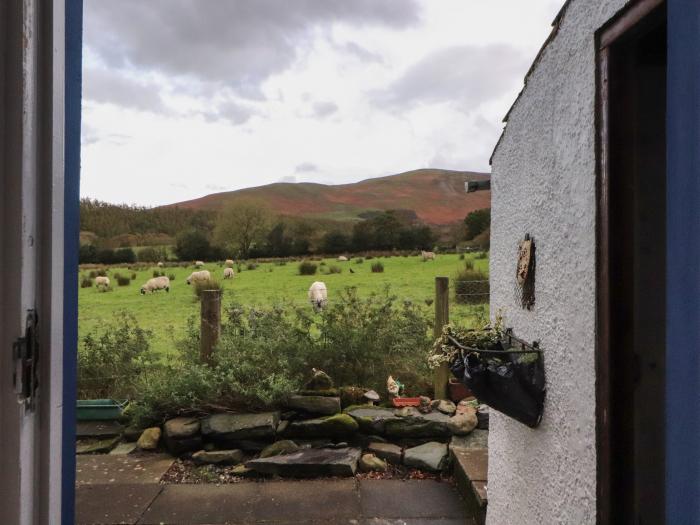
(99, 409)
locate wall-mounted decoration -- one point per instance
(525, 273)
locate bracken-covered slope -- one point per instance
(436, 196)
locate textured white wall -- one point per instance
(544, 184)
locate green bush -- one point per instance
(335, 269)
(171, 276)
(92, 274)
(133, 276)
(377, 267)
(481, 255)
(307, 268)
(110, 362)
(85, 281)
(102, 272)
(252, 266)
(359, 260)
(152, 254)
(158, 273)
(123, 280)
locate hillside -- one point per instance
(436, 196)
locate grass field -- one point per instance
(166, 314)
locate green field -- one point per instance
(166, 314)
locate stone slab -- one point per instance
(410, 500)
(98, 429)
(240, 426)
(419, 521)
(475, 463)
(476, 439)
(297, 501)
(310, 463)
(108, 504)
(131, 469)
(123, 448)
(321, 405)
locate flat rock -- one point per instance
(371, 420)
(339, 425)
(446, 407)
(431, 456)
(433, 425)
(476, 439)
(149, 439)
(280, 448)
(310, 463)
(240, 426)
(388, 451)
(122, 449)
(218, 457)
(462, 424)
(96, 446)
(181, 427)
(321, 405)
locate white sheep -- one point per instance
(155, 284)
(427, 256)
(342, 258)
(229, 263)
(318, 295)
(197, 277)
(160, 264)
(101, 281)
(228, 273)
(198, 264)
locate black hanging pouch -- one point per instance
(509, 377)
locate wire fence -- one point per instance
(471, 292)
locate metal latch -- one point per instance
(25, 354)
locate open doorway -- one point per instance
(632, 265)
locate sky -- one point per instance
(183, 98)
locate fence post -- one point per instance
(442, 317)
(210, 323)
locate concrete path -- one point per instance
(327, 502)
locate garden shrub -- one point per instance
(158, 273)
(123, 280)
(92, 274)
(377, 267)
(85, 281)
(307, 268)
(359, 260)
(335, 269)
(171, 276)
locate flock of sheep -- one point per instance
(318, 292)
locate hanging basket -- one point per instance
(509, 377)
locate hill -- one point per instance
(436, 196)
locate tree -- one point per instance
(476, 222)
(279, 244)
(335, 242)
(191, 246)
(241, 226)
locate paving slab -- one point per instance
(410, 499)
(297, 501)
(475, 462)
(125, 469)
(109, 504)
(419, 521)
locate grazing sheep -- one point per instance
(198, 264)
(160, 264)
(228, 273)
(155, 284)
(318, 295)
(196, 277)
(229, 263)
(342, 258)
(101, 282)
(427, 256)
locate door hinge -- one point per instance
(25, 352)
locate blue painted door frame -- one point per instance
(683, 250)
(683, 264)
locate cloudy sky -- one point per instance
(182, 98)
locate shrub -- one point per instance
(307, 268)
(471, 286)
(252, 266)
(92, 274)
(212, 284)
(123, 280)
(481, 255)
(369, 257)
(171, 276)
(110, 362)
(461, 256)
(469, 264)
(158, 273)
(152, 254)
(377, 267)
(322, 263)
(359, 260)
(335, 269)
(85, 281)
(133, 276)
(102, 272)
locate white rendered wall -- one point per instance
(544, 184)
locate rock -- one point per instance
(483, 417)
(339, 425)
(474, 440)
(282, 426)
(279, 448)
(123, 449)
(352, 395)
(149, 439)
(319, 381)
(328, 392)
(249, 445)
(388, 451)
(325, 406)
(132, 433)
(371, 396)
(425, 406)
(467, 405)
(209, 447)
(218, 457)
(446, 407)
(310, 463)
(431, 456)
(432, 425)
(371, 419)
(242, 471)
(231, 427)
(462, 424)
(96, 445)
(181, 435)
(407, 412)
(181, 427)
(370, 462)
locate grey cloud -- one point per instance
(237, 43)
(363, 54)
(100, 85)
(288, 179)
(324, 109)
(469, 75)
(306, 167)
(231, 111)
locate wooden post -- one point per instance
(442, 317)
(210, 323)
